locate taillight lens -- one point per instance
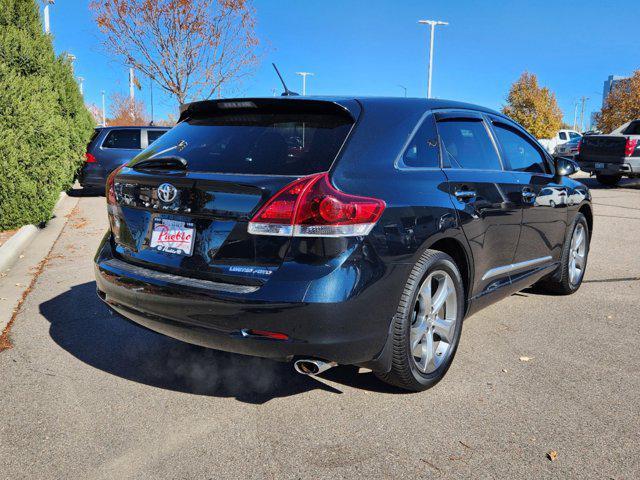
(312, 207)
(579, 146)
(110, 191)
(630, 147)
(89, 158)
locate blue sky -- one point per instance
(369, 47)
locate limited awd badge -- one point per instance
(167, 193)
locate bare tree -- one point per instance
(125, 111)
(192, 49)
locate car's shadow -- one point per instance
(77, 191)
(90, 331)
(592, 183)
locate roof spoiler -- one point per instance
(350, 108)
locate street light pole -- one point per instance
(72, 58)
(104, 119)
(405, 90)
(80, 80)
(131, 92)
(46, 14)
(575, 116)
(432, 24)
(151, 93)
(304, 81)
(584, 100)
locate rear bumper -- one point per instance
(623, 166)
(351, 331)
(92, 175)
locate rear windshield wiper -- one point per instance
(169, 162)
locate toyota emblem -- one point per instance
(167, 192)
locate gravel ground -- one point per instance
(86, 395)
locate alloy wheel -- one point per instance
(434, 321)
(577, 254)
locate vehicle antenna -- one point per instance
(287, 92)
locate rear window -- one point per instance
(153, 135)
(256, 143)
(128, 139)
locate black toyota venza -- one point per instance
(330, 231)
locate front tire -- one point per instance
(609, 180)
(568, 278)
(427, 325)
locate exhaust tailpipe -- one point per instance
(312, 367)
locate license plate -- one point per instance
(600, 165)
(172, 236)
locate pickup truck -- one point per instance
(563, 136)
(611, 157)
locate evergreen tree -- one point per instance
(44, 125)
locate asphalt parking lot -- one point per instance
(85, 394)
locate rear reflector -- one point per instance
(89, 158)
(630, 147)
(265, 334)
(312, 207)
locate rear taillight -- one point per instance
(630, 147)
(579, 146)
(312, 207)
(110, 191)
(89, 158)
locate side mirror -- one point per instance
(566, 166)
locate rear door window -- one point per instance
(633, 129)
(256, 143)
(422, 151)
(126, 139)
(563, 136)
(153, 135)
(466, 144)
(521, 154)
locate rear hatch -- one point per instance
(603, 148)
(183, 205)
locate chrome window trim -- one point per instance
(399, 162)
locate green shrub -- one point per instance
(44, 125)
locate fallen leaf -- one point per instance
(19, 285)
(525, 359)
(435, 467)
(504, 370)
(552, 455)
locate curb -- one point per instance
(12, 248)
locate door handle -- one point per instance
(464, 194)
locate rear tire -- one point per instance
(429, 316)
(609, 180)
(575, 252)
